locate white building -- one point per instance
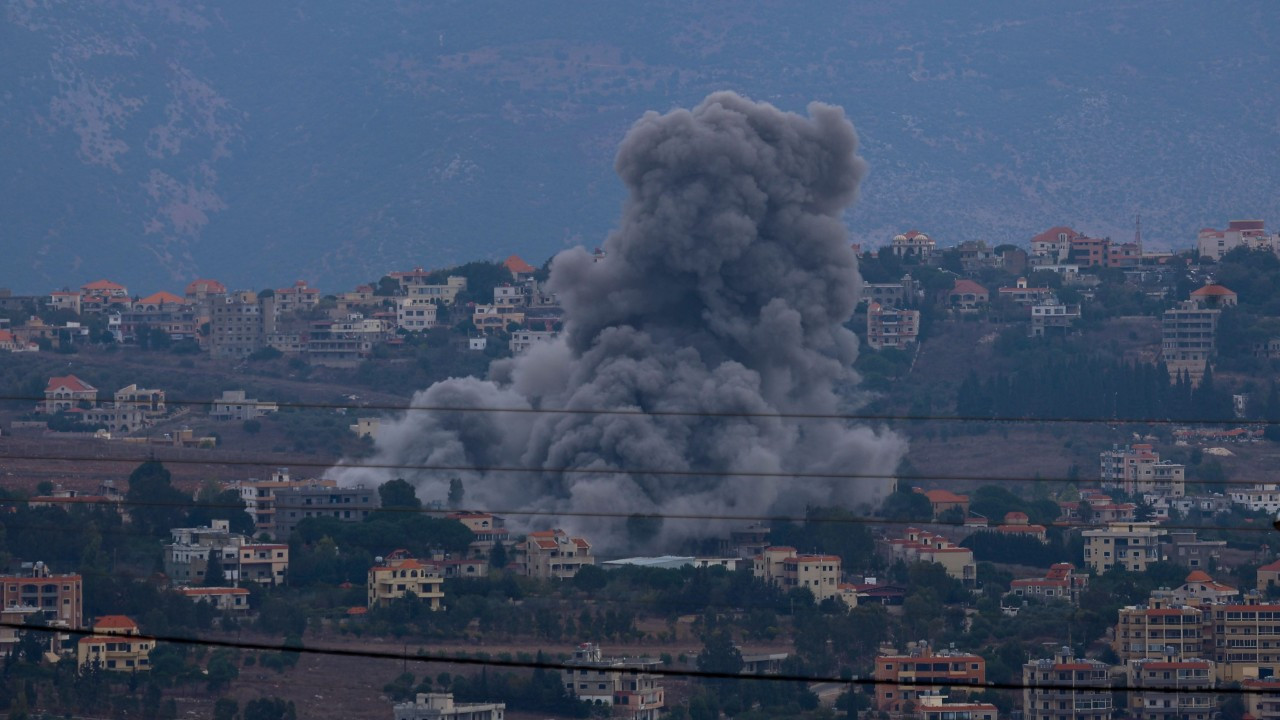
(440, 706)
(1214, 244)
(233, 405)
(618, 682)
(415, 314)
(522, 340)
(1133, 546)
(1262, 497)
(1138, 470)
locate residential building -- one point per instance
(416, 314)
(1268, 578)
(487, 530)
(196, 553)
(674, 562)
(10, 634)
(415, 284)
(134, 326)
(1214, 296)
(488, 318)
(68, 392)
(343, 343)
(116, 645)
(201, 292)
(1138, 470)
(65, 300)
(1066, 688)
(1260, 497)
(297, 502)
(233, 405)
(1054, 244)
(133, 408)
(522, 340)
(226, 599)
(1185, 548)
(1062, 582)
(923, 672)
(1053, 317)
(923, 546)
(58, 596)
(1211, 243)
(10, 343)
(914, 244)
(620, 683)
(891, 295)
(1164, 689)
(967, 296)
(1188, 339)
(263, 563)
(477, 343)
(1133, 546)
(936, 707)
(942, 500)
(259, 496)
(236, 325)
(891, 327)
(552, 554)
(1017, 523)
(1262, 698)
(519, 269)
(366, 427)
(440, 706)
(1245, 639)
(783, 567)
(508, 294)
(100, 295)
(1197, 590)
(1089, 252)
(1024, 295)
(296, 298)
(399, 577)
(1160, 630)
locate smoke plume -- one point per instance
(724, 290)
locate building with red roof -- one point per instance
(924, 546)
(785, 568)
(1062, 582)
(942, 500)
(1214, 296)
(67, 392)
(1166, 684)
(399, 577)
(518, 268)
(1017, 523)
(913, 244)
(1090, 696)
(923, 672)
(158, 301)
(115, 645)
(967, 296)
(553, 554)
(1252, 234)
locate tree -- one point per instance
(225, 709)
(253, 427)
(157, 506)
(272, 708)
(399, 493)
(456, 492)
(904, 504)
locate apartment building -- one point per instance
(785, 568)
(552, 554)
(58, 596)
(891, 327)
(259, 496)
(400, 576)
(67, 393)
(487, 530)
(197, 552)
(522, 340)
(440, 706)
(1133, 546)
(1023, 294)
(298, 502)
(178, 322)
(416, 314)
(226, 599)
(1165, 685)
(1245, 640)
(490, 318)
(620, 683)
(1262, 698)
(923, 672)
(1160, 631)
(263, 563)
(1062, 582)
(116, 646)
(236, 325)
(1187, 343)
(1138, 470)
(1260, 497)
(1053, 317)
(414, 285)
(924, 546)
(1184, 548)
(936, 707)
(1066, 688)
(891, 295)
(233, 405)
(1212, 243)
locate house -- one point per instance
(1017, 523)
(133, 408)
(488, 318)
(522, 340)
(299, 501)
(553, 554)
(298, 297)
(1268, 578)
(399, 577)
(103, 295)
(890, 327)
(1184, 548)
(488, 530)
(159, 301)
(1211, 243)
(891, 295)
(259, 495)
(1052, 317)
(138, 325)
(415, 314)
(1133, 546)
(65, 300)
(913, 244)
(68, 392)
(440, 706)
(936, 707)
(58, 596)
(233, 405)
(225, 599)
(1022, 294)
(116, 645)
(1198, 590)
(1138, 470)
(943, 500)
(1062, 582)
(1054, 244)
(519, 269)
(446, 294)
(786, 569)
(967, 296)
(1214, 296)
(923, 546)
(196, 553)
(923, 672)
(1259, 497)
(477, 343)
(619, 683)
(366, 427)
(1090, 697)
(10, 343)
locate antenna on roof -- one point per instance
(1137, 231)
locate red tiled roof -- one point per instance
(1217, 290)
(71, 382)
(357, 611)
(945, 496)
(1051, 235)
(517, 266)
(1199, 576)
(965, 285)
(162, 298)
(115, 622)
(1271, 566)
(205, 285)
(102, 285)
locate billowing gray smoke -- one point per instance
(724, 290)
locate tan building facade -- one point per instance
(115, 646)
(403, 577)
(553, 555)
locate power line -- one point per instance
(639, 412)
(624, 668)
(817, 518)
(452, 468)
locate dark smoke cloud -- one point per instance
(725, 289)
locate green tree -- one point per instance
(400, 494)
(456, 492)
(156, 506)
(225, 709)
